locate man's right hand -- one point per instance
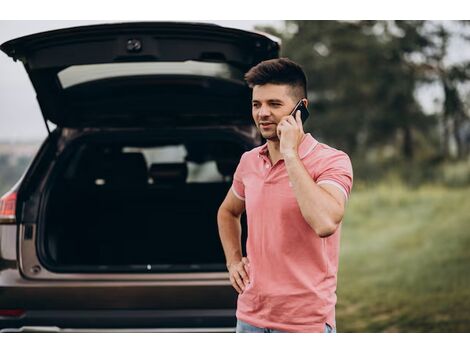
(239, 274)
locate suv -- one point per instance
(113, 226)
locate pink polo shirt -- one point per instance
(292, 271)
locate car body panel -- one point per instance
(20, 293)
(141, 98)
(172, 41)
(140, 320)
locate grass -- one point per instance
(405, 260)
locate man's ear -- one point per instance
(305, 100)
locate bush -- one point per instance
(412, 173)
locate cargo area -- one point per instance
(126, 207)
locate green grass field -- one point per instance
(405, 260)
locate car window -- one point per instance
(197, 172)
(79, 74)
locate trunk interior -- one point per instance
(124, 207)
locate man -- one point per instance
(294, 190)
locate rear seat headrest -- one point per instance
(169, 173)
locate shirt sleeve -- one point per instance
(238, 188)
(337, 171)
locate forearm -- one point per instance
(321, 211)
(230, 236)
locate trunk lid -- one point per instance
(142, 74)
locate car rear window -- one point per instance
(79, 74)
(197, 172)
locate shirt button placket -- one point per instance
(266, 167)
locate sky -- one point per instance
(20, 116)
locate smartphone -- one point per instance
(303, 111)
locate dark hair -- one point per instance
(279, 71)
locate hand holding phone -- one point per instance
(303, 111)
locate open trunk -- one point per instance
(142, 74)
(124, 207)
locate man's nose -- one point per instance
(264, 111)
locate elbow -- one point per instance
(221, 214)
(326, 229)
(324, 225)
(326, 232)
(224, 213)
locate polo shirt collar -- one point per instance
(306, 146)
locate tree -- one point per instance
(450, 76)
(363, 78)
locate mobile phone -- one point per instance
(303, 111)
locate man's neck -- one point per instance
(274, 153)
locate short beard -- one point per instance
(270, 137)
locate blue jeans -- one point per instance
(245, 327)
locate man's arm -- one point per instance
(228, 221)
(322, 206)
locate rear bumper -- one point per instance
(198, 305)
(215, 320)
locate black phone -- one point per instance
(303, 111)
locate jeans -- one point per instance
(245, 327)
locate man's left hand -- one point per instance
(290, 132)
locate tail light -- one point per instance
(7, 207)
(12, 313)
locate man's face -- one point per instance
(270, 103)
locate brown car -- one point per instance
(113, 226)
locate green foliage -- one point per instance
(363, 76)
(412, 173)
(404, 261)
